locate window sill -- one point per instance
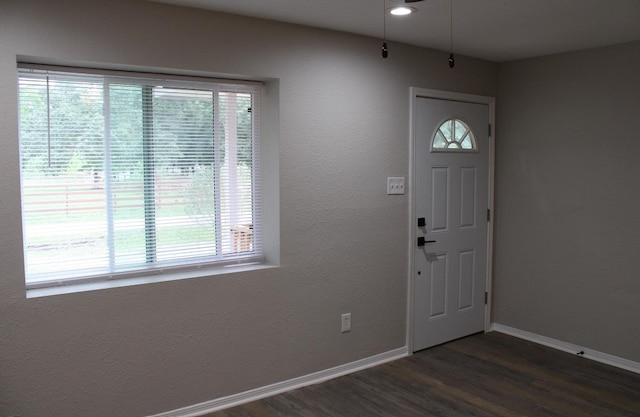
(127, 282)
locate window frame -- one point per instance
(171, 270)
(468, 134)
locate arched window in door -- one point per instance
(454, 135)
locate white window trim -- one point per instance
(204, 272)
(239, 264)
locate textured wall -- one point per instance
(344, 127)
(567, 230)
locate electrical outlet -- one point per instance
(346, 322)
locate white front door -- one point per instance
(451, 202)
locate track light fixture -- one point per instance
(385, 48)
(452, 61)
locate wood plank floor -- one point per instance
(489, 374)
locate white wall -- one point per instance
(567, 228)
(344, 127)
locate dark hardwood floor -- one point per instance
(488, 375)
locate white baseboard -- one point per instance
(568, 347)
(218, 404)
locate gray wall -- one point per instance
(567, 231)
(344, 127)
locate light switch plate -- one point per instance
(395, 185)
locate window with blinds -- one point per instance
(135, 175)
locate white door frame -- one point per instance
(415, 92)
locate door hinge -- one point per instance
(489, 129)
(488, 215)
(486, 298)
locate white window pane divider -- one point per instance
(108, 175)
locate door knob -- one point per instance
(422, 241)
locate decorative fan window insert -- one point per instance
(454, 135)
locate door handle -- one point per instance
(422, 241)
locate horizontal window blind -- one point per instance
(131, 175)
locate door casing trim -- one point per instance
(414, 93)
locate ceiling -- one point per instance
(496, 30)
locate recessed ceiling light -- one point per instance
(402, 10)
